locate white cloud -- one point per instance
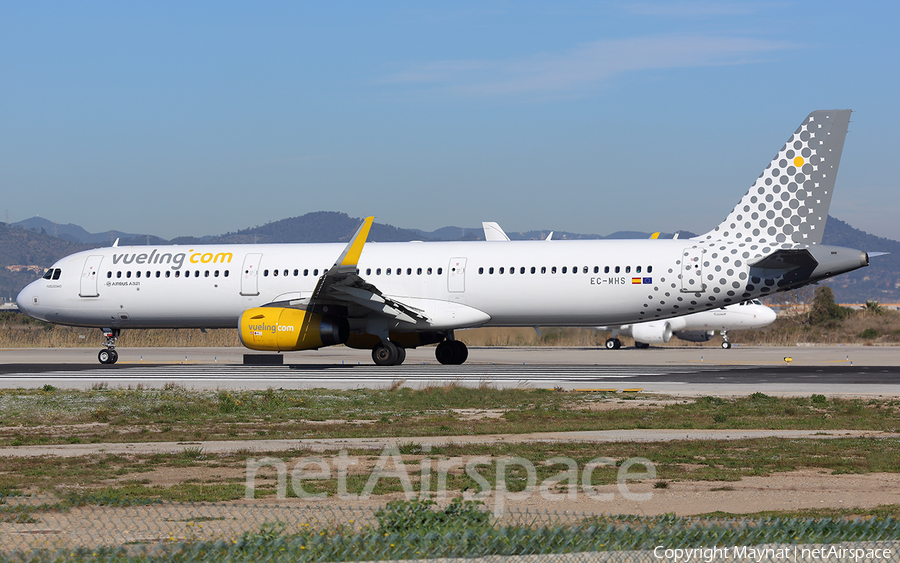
(586, 65)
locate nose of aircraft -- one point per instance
(766, 316)
(26, 299)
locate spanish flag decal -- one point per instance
(635, 280)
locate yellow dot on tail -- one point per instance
(798, 162)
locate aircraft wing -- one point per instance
(341, 285)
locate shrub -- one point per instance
(869, 333)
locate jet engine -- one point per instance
(282, 329)
(695, 335)
(656, 332)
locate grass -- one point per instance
(45, 417)
(867, 327)
(115, 479)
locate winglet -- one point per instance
(350, 257)
(655, 235)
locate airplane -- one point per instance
(388, 297)
(696, 327)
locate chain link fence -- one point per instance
(36, 529)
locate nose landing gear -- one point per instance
(109, 356)
(725, 343)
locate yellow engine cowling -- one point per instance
(281, 329)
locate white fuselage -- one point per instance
(519, 283)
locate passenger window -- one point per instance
(419, 272)
(409, 271)
(285, 273)
(206, 274)
(265, 273)
(585, 270)
(637, 270)
(553, 270)
(137, 274)
(564, 270)
(187, 273)
(480, 270)
(274, 272)
(297, 273)
(428, 271)
(606, 269)
(617, 269)
(440, 271)
(316, 272)
(118, 274)
(543, 269)
(368, 271)
(157, 273)
(500, 271)
(627, 269)
(532, 269)
(649, 269)
(178, 273)
(522, 270)
(387, 272)
(305, 272)
(325, 271)
(128, 274)
(491, 270)
(109, 274)
(226, 273)
(378, 272)
(168, 273)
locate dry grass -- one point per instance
(883, 329)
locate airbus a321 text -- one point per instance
(394, 296)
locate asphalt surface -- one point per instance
(676, 371)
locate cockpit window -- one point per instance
(52, 274)
(49, 274)
(56, 273)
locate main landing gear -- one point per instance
(448, 352)
(451, 352)
(613, 344)
(109, 356)
(387, 353)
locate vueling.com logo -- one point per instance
(177, 260)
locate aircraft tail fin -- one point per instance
(788, 204)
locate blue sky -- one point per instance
(192, 118)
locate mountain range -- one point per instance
(39, 242)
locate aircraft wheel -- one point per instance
(451, 352)
(105, 357)
(115, 356)
(385, 354)
(641, 345)
(726, 345)
(462, 352)
(610, 343)
(401, 355)
(445, 352)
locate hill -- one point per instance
(28, 243)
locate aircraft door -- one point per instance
(456, 275)
(692, 271)
(249, 274)
(90, 277)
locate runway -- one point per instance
(683, 371)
